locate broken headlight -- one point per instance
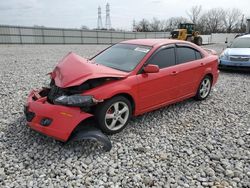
(76, 100)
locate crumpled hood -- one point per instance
(73, 70)
(238, 51)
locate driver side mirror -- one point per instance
(150, 68)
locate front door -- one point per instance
(159, 88)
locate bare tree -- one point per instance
(213, 20)
(232, 19)
(173, 23)
(194, 13)
(202, 25)
(142, 26)
(156, 25)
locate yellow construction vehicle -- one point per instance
(186, 32)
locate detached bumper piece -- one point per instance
(92, 133)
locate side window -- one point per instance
(163, 58)
(198, 55)
(186, 54)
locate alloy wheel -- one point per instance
(205, 88)
(117, 115)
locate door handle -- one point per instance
(202, 64)
(173, 73)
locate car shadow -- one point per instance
(32, 144)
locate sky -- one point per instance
(75, 13)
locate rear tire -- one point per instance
(114, 114)
(204, 88)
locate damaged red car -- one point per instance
(126, 79)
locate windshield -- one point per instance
(241, 43)
(124, 57)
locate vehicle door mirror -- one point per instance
(151, 68)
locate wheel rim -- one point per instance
(205, 88)
(116, 116)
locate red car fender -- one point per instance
(112, 89)
(65, 119)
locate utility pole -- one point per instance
(108, 21)
(99, 21)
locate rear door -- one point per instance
(190, 67)
(158, 88)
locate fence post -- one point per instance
(20, 35)
(43, 38)
(111, 37)
(97, 35)
(63, 36)
(82, 37)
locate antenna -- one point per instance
(108, 21)
(99, 21)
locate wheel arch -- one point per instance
(207, 73)
(129, 97)
(210, 75)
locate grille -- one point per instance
(239, 58)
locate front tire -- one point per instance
(204, 88)
(114, 114)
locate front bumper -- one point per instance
(234, 64)
(61, 120)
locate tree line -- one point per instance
(215, 20)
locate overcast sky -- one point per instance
(75, 13)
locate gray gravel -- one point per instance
(189, 144)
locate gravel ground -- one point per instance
(189, 144)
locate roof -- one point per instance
(152, 42)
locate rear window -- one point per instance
(187, 54)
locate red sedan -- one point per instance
(128, 78)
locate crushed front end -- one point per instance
(56, 112)
(54, 120)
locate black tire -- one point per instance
(198, 41)
(105, 123)
(199, 94)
